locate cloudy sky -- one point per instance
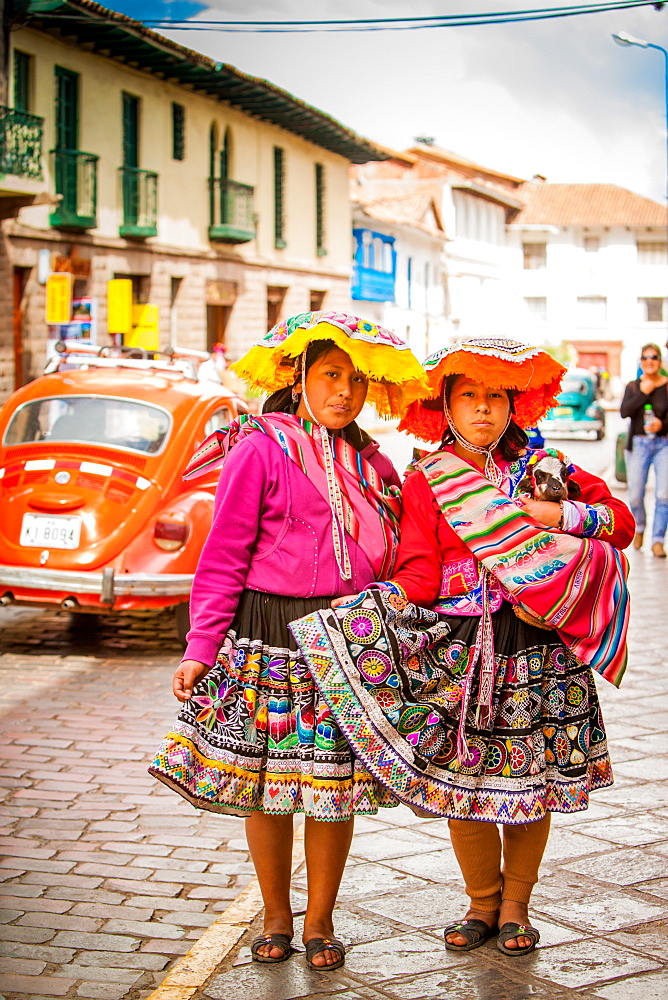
(557, 97)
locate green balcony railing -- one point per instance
(76, 182)
(140, 203)
(20, 144)
(232, 219)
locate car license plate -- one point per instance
(563, 411)
(55, 532)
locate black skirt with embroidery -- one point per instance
(257, 735)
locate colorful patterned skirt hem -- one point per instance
(257, 737)
(393, 675)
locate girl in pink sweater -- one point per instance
(306, 510)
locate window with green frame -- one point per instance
(279, 193)
(178, 131)
(320, 234)
(130, 130)
(22, 80)
(75, 172)
(67, 109)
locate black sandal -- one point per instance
(475, 931)
(283, 941)
(511, 931)
(316, 945)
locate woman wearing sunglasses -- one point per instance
(645, 402)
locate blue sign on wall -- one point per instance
(374, 267)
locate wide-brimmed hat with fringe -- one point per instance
(396, 377)
(529, 372)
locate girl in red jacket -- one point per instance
(465, 682)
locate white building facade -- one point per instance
(478, 261)
(398, 269)
(590, 269)
(473, 205)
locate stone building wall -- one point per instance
(6, 324)
(187, 278)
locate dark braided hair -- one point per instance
(281, 401)
(514, 440)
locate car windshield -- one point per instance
(103, 420)
(578, 385)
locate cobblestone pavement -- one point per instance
(107, 878)
(105, 875)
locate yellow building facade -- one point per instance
(223, 199)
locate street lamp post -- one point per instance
(623, 38)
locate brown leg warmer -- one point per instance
(523, 849)
(477, 847)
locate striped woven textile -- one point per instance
(577, 585)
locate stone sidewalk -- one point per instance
(108, 879)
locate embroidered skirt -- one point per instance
(257, 736)
(393, 676)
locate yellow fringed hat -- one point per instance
(396, 377)
(530, 372)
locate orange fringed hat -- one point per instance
(530, 372)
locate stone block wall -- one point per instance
(187, 327)
(6, 322)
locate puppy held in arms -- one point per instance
(548, 477)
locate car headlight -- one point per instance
(171, 531)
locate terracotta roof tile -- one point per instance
(410, 209)
(587, 205)
(468, 168)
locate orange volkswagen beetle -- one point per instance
(94, 513)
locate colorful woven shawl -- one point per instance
(370, 508)
(577, 585)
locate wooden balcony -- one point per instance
(76, 185)
(232, 219)
(140, 203)
(21, 172)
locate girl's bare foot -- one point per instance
(517, 913)
(277, 925)
(328, 955)
(488, 916)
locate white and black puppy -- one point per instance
(548, 477)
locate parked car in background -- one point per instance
(94, 513)
(578, 410)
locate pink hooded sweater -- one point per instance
(271, 532)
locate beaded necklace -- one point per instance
(491, 471)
